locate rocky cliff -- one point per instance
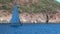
(5, 16)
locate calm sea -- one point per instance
(30, 29)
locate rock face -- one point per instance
(32, 18)
(5, 16)
(0, 4)
(55, 18)
(39, 18)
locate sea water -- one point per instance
(30, 29)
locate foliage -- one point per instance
(6, 5)
(5, 1)
(45, 6)
(49, 6)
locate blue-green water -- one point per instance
(30, 29)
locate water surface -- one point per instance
(30, 29)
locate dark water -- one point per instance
(30, 29)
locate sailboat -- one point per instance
(15, 20)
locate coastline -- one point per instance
(30, 18)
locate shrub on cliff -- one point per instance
(41, 5)
(6, 1)
(5, 5)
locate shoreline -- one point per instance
(33, 18)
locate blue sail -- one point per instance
(15, 15)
